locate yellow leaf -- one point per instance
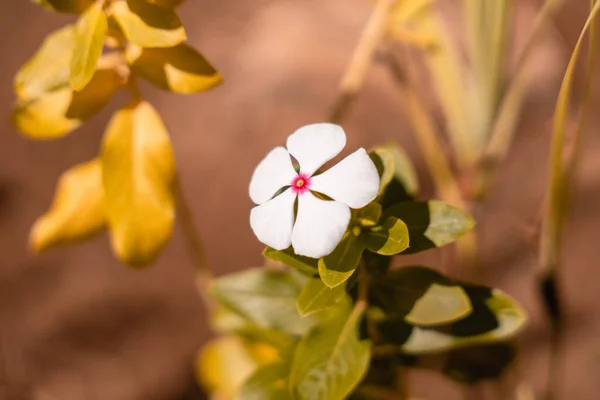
(48, 69)
(56, 113)
(167, 3)
(148, 25)
(77, 210)
(89, 40)
(66, 6)
(138, 173)
(225, 363)
(179, 69)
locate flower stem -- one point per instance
(194, 243)
(354, 77)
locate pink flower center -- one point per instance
(300, 184)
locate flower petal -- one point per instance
(272, 221)
(353, 181)
(314, 145)
(272, 173)
(319, 227)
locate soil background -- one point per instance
(75, 324)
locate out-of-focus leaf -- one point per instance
(431, 224)
(315, 296)
(420, 296)
(138, 173)
(495, 317)
(66, 6)
(89, 40)
(48, 69)
(440, 304)
(476, 363)
(179, 69)
(330, 360)
(265, 298)
(148, 25)
(337, 267)
(56, 113)
(268, 382)
(225, 363)
(388, 239)
(398, 179)
(167, 3)
(77, 211)
(307, 266)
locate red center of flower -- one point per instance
(300, 183)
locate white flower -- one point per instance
(320, 224)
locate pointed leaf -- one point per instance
(388, 239)
(179, 69)
(89, 40)
(56, 113)
(338, 266)
(440, 304)
(265, 298)
(77, 211)
(305, 265)
(148, 25)
(398, 177)
(48, 69)
(369, 215)
(138, 173)
(331, 360)
(431, 224)
(315, 296)
(268, 382)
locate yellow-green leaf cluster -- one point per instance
(129, 188)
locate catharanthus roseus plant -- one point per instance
(330, 317)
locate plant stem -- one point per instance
(193, 241)
(355, 73)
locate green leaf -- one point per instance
(481, 362)
(66, 6)
(48, 69)
(56, 113)
(77, 211)
(179, 69)
(388, 239)
(440, 304)
(315, 296)
(89, 40)
(419, 295)
(268, 382)
(338, 266)
(398, 177)
(138, 174)
(148, 25)
(369, 215)
(330, 360)
(307, 266)
(263, 297)
(431, 224)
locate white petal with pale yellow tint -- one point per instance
(272, 173)
(319, 227)
(354, 181)
(272, 221)
(314, 145)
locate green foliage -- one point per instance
(398, 177)
(338, 266)
(431, 224)
(330, 359)
(316, 296)
(72, 76)
(388, 239)
(267, 383)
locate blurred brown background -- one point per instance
(75, 324)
